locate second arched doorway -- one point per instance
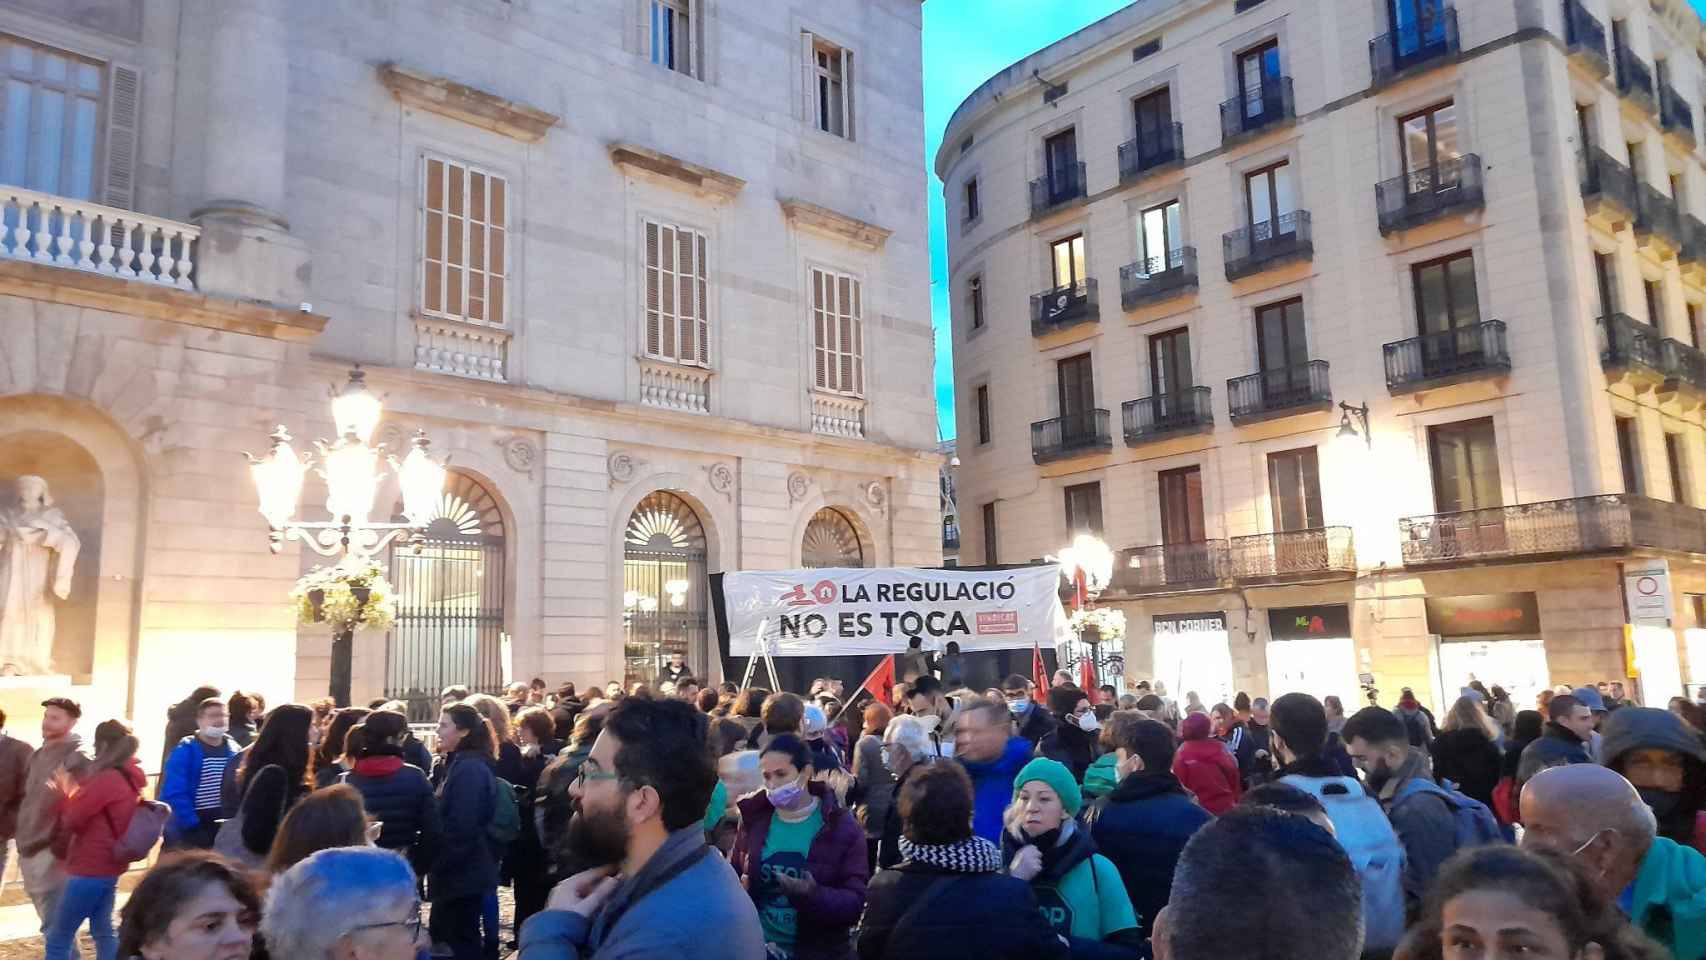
(831, 540)
(663, 588)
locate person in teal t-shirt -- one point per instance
(1080, 891)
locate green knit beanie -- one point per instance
(1057, 777)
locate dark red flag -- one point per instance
(1039, 672)
(880, 684)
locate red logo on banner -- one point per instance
(998, 622)
(824, 592)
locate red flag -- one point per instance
(880, 684)
(1039, 672)
(1087, 676)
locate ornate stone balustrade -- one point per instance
(461, 349)
(81, 235)
(672, 387)
(838, 416)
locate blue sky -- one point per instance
(965, 43)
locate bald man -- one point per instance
(1589, 812)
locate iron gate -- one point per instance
(664, 588)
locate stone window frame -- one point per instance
(1458, 93)
(703, 16)
(1421, 420)
(812, 43)
(115, 164)
(707, 326)
(1405, 279)
(468, 170)
(860, 355)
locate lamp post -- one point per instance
(1089, 564)
(1348, 430)
(353, 468)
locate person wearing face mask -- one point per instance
(1592, 815)
(801, 857)
(1206, 767)
(1143, 825)
(1080, 891)
(1032, 723)
(907, 749)
(1655, 751)
(192, 780)
(1072, 742)
(936, 710)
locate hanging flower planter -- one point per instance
(1098, 624)
(353, 595)
(316, 606)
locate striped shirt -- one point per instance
(213, 761)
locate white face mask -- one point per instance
(1088, 723)
(929, 722)
(212, 733)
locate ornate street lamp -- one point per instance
(353, 468)
(1089, 565)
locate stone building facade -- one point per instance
(652, 273)
(1366, 331)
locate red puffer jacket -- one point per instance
(1207, 769)
(97, 814)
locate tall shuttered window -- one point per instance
(67, 123)
(678, 327)
(838, 333)
(829, 85)
(466, 235)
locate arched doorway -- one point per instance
(831, 540)
(663, 587)
(450, 601)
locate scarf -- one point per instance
(971, 855)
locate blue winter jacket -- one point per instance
(465, 865)
(992, 786)
(181, 778)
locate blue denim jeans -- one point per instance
(85, 898)
(489, 924)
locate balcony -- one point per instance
(1158, 279)
(1267, 245)
(1169, 415)
(1584, 39)
(1245, 116)
(1608, 187)
(1692, 256)
(1058, 190)
(1413, 46)
(1446, 357)
(1676, 116)
(1320, 554)
(1145, 155)
(1285, 392)
(1074, 435)
(80, 235)
(1171, 566)
(1684, 369)
(1635, 81)
(1551, 529)
(1630, 349)
(1656, 220)
(1064, 307)
(1426, 195)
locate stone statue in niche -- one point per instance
(38, 550)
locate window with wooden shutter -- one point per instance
(829, 86)
(124, 90)
(464, 243)
(838, 333)
(677, 324)
(50, 121)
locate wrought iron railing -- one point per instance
(1683, 365)
(1584, 38)
(1625, 342)
(1656, 215)
(1152, 151)
(1296, 553)
(1553, 528)
(1250, 250)
(1447, 355)
(1605, 179)
(1635, 80)
(1152, 418)
(1072, 435)
(1064, 307)
(1693, 242)
(1257, 110)
(1279, 392)
(1169, 565)
(1432, 37)
(1676, 116)
(1057, 188)
(1430, 193)
(1158, 278)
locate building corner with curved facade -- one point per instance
(1367, 332)
(653, 276)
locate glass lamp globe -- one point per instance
(278, 479)
(356, 409)
(421, 479)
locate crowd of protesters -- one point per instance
(680, 818)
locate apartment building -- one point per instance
(1366, 331)
(650, 272)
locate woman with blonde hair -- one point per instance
(1467, 750)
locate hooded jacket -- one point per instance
(992, 786)
(181, 778)
(98, 812)
(1206, 768)
(837, 860)
(1101, 778)
(1669, 902)
(1644, 728)
(1558, 746)
(1081, 895)
(1069, 744)
(1142, 827)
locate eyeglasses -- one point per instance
(413, 923)
(583, 775)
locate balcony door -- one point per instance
(1066, 259)
(1416, 25)
(1181, 506)
(1259, 80)
(1428, 145)
(1294, 486)
(1170, 374)
(1060, 154)
(1465, 461)
(1448, 312)
(1605, 279)
(1163, 246)
(1283, 351)
(1076, 380)
(1269, 201)
(1154, 112)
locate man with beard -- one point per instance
(1380, 747)
(659, 890)
(1665, 761)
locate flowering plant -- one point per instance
(1108, 622)
(350, 595)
